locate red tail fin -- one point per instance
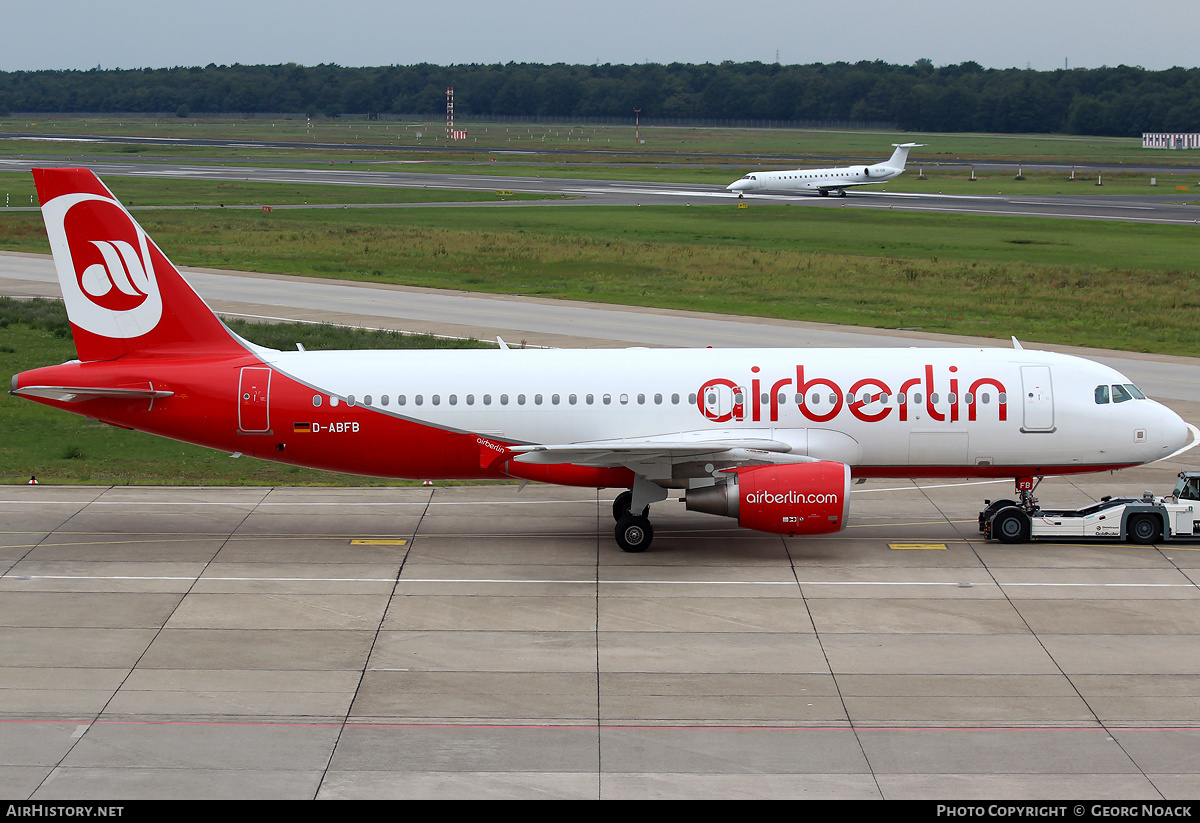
(121, 292)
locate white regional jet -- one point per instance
(770, 437)
(824, 180)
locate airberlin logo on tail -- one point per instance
(119, 282)
(104, 266)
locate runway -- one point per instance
(490, 642)
(1166, 209)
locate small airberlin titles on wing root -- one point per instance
(862, 394)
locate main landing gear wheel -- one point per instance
(623, 502)
(1011, 525)
(634, 533)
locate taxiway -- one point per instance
(1166, 209)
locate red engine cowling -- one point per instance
(794, 498)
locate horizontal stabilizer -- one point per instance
(78, 394)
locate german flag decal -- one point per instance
(298, 428)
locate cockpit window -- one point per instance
(1101, 395)
(1120, 394)
(1135, 391)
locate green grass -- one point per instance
(59, 447)
(584, 140)
(1108, 285)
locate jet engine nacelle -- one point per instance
(793, 498)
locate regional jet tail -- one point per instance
(769, 437)
(824, 180)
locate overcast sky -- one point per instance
(1039, 34)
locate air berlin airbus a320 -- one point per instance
(770, 437)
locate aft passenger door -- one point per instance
(254, 400)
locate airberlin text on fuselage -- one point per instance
(858, 398)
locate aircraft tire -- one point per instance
(623, 502)
(1011, 525)
(634, 534)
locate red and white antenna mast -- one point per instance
(449, 112)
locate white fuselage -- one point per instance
(905, 412)
(803, 180)
(824, 180)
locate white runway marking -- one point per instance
(490, 581)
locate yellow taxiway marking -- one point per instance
(378, 542)
(917, 546)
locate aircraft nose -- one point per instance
(1175, 431)
(736, 186)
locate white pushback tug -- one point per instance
(1146, 519)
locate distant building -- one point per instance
(1170, 140)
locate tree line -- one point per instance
(1123, 101)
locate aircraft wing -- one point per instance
(849, 184)
(628, 452)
